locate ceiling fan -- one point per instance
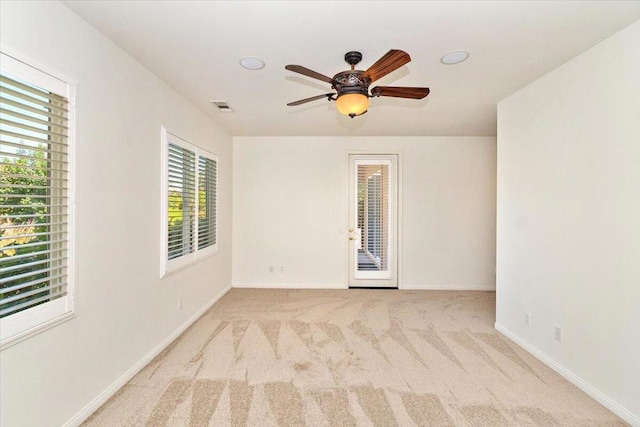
(352, 86)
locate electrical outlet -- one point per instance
(558, 334)
(527, 317)
(281, 269)
(179, 303)
(271, 269)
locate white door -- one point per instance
(373, 219)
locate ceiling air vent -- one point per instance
(222, 106)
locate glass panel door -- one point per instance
(373, 190)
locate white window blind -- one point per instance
(207, 201)
(373, 216)
(182, 201)
(190, 203)
(34, 202)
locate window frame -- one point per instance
(26, 323)
(168, 266)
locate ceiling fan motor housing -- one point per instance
(351, 82)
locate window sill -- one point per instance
(15, 339)
(180, 268)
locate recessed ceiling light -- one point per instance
(454, 57)
(251, 63)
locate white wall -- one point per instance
(568, 235)
(124, 309)
(290, 209)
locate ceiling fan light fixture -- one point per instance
(251, 63)
(454, 57)
(352, 104)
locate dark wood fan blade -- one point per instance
(391, 61)
(400, 92)
(313, 98)
(309, 73)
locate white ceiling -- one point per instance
(195, 47)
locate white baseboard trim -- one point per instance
(96, 403)
(343, 286)
(289, 286)
(410, 287)
(596, 394)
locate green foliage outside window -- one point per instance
(23, 193)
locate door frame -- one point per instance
(398, 210)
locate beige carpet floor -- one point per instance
(349, 358)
